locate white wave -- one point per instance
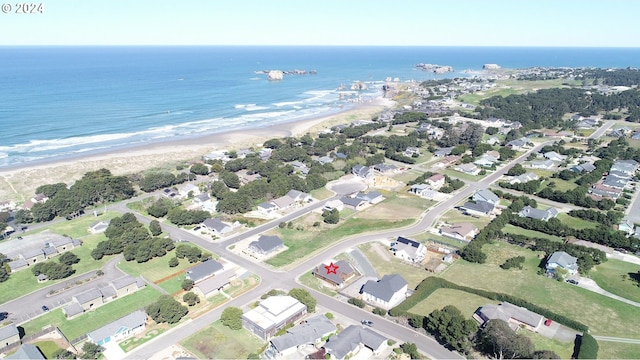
(3, 155)
(256, 107)
(287, 103)
(242, 106)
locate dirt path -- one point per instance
(381, 251)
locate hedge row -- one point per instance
(588, 347)
(431, 284)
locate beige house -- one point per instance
(89, 299)
(9, 335)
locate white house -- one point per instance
(436, 181)
(462, 231)
(468, 168)
(408, 250)
(120, 329)
(273, 314)
(423, 190)
(386, 293)
(561, 259)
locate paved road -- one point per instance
(606, 126)
(617, 339)
(558, 205)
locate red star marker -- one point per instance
(331, 268)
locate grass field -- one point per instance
(392, 265)
(510, 229)
(466, 302)
(397, 207)
(156, 268)
(615, 277)
(92, 320)
(564, 349)
(616, 350)
(302, 243)
(47, 348)
(427, 236)
(576, 223)
(79, 227)
(321, 193)
(462, 176)
(603, 315)
(219, 342)
(559, 184)
(454, 216)
(313, 282)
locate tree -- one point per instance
(199, 169)
(331, 217)
(500, 341)
(190, 298)
(158, 209)
(516, 170)
(173, 262)
(232, 317)
(187, 284)
(166, 309)
(304, 297)
(69, 258)
(4, 275)
(411, 349)
(63, 354)
(513, 262)
(23, 216)
(155, 228)
(451, 327)
(357, 302)
(91, 350)
(544, 354)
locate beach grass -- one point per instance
(220, 342)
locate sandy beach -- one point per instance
(19, 183)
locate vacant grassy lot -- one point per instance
(156, 268)
(467, 303)
(510, 229)
(219, 342)
(392, 265)
(307, 239)
(616, 350)
(576, 223)
(462, 176)
(615, 276)
(397, 207)
(313, 282)
(92, 320)
(603, 315)
(79, 227)
(321, 193)
(427, 236)
(454, 216)
(564, 349)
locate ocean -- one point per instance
(66, 101)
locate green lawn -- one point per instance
(614, 276)
(47, 348)
(134, 342)
(576, 223)
(407, 176)
(302, 243)
(142, 205)
(462, 176)
(313, 282)
(219, 342)
(172, 285)
(321, 193)
(616, 350)
(564, 349)
(466, 302)
(510, 229)
(392, 265)
(561, 185)
(79, 227)
(92, 320)
(603, 315)
(455, 217)
(156, 268)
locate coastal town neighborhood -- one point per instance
(365, 239)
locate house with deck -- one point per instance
(408, 250)
(273, 314)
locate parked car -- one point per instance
(571, 281)
(45, 308)
(548, 322)
(367, 322)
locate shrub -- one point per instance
(588, 347)
(357, 302)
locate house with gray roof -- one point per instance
(309, 332)
(586, 168)
(408, 250)
(626, 166)
(266, 244)
(386, 293)
(273, 314)
(89, 299)
(524, 178)
(212, 285)
(33, 256)
(354, 203)
(372, 197)
(344, 272)
(125, 285)
(362, 171)
(442, 152)
(216, 226)
(18, 264)
(542, 164)
(352, 339)
(554, 156)
(486, 195)
(478, 208)
(27, 351)
(204, 270)
(385, 168)
(517, 143)
(561, 259)
(98, 227)
(72, 310)
(120, 329)
(538, 214)
(515, 316)
(9, 335)
(267, 207)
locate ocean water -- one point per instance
(65, 101)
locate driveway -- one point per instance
(558, 332)
(346, 186)
(362, 263)
(591, 285)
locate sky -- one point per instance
(575, 23)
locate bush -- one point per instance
(187, 284)
(357, 302)
(588, 347)
(380, 311)
(232, 317)
(329, 316)
(173, 262)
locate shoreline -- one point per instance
(20, 181)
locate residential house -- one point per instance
(89, 299)
(266, 244)
(524, 178)
(61, 244)
(423, 190)
(462, 231)
(627, 227)
(615, 182)
(515, 316)
(204, 270)
(554, 156)
(18, 264)
(39, 198)
(109, 292)
(120, 329)
(246, 178)
(486, 195)
(586, 168)
(351, 340)
(216, 155)
(486, 160)
(32, 256)
(7, 205)
(628, 167)
(98, 227)
(267, 208)
(212, 285)
(605, 191)
(273, 314)
(538, 214)
(299, 196)
(300, 168)
(125, 285)
(72, 310)
(205, 202)
(362, 171)
(386, 293)
(556, 134)
(333, 204)
(341, 156)
(436, 181)
(410, 151)
(542, 164)
(493, 141)
(169, 193)
(448, 161)
(517, 144)
(372, 197)
(187, 189)
(265, 154)
(385, 168)
(26, 351)
(309, 333)
(9, 335)
(442, 152)
(561, 259)
(354, 203)
(216, 227)
(344, 272)
(408, 250)
(478, 208)
(325, 160)
(467, 168)
(586, 123)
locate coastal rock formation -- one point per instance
(490, 67)
(438, 69)
(274, 75)
(358, 85)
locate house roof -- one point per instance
(8, 331)
(29, 253)
(506, 311)
(17, 264)
(216, 224)
(297, 195)
(563, 259)
(534, 213)
(355, 202)
(410, 247)
(463, 229)
(266, 243)
(60, 242)
(370, 196)
(27, 351)
(123, 282)
(443, 151)
(284, 201)
(308, 332)
(435, 178)
(216, 282)
(526, 177)
(274, 310)
(384, 288)
(73, 309)
(479, 206)
(88, 295)
(267, 205)
(204, 270)
(342, 268)
(350, 338)
(486, 195)
(107, 291)
(131, 321)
